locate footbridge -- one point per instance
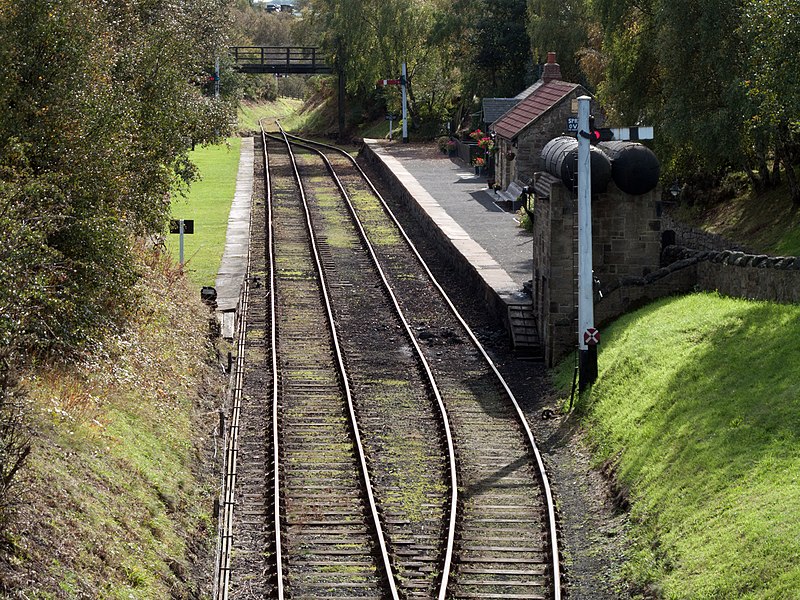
(280, 59)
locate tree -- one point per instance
(559, 26)
(370, 39)
(773, 30)
(501, 65)
(94, 140)
(704, 106)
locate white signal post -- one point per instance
(587, 354)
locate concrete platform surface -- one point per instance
(233, 267)
(465, 210)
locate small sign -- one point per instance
(591, 337)
(572, 124)
(391, 117)
(175, 226)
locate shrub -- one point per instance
(14, 440)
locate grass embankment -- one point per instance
(697, 406)
(208, 202)
(117, 500)
(287, 110)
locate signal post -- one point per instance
(587, 334)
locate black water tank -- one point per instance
(560, 158)
(634, 167)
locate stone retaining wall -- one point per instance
(689, 237)
(452, 255)
(750, 276)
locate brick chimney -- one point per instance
(551, 70)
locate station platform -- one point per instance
(233, 267)
(471, 223)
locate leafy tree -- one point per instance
(94, 140)
(772, 28)
(704, 107)
(501, 49)
(370, 39)
(559, 26)
(630, 84)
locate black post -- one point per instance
(340, 68)
(587, 367)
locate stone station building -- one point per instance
(523, 131)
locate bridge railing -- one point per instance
(269, 59)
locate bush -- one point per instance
(14, 440)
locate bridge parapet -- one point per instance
(280, 59)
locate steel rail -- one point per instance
(274, 346)
(551, 516)
(222, 581)
(345, 382)
(426, 367)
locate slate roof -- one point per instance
(531, 108)
(494, 108)
(529, 90)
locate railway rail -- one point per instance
(459, 502)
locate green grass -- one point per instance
(208, 203)
(698, 405)
(285, 109)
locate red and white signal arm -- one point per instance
(385, 82)
(591, 337)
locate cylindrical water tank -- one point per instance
(560, 158)
(634, 167)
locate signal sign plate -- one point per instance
(175, 226)
(591, 337)
(572, 124)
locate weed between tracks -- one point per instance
(374, 220)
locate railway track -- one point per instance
(415, 384)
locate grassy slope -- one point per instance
(698, 405)
(208, 203)
(119, 502)
(285, 109)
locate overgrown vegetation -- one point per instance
(117, 497)
(95, 134)
(696, 410)
(15, 444)
(102, 101)
(765, 222)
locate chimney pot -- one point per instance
(552, 70)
